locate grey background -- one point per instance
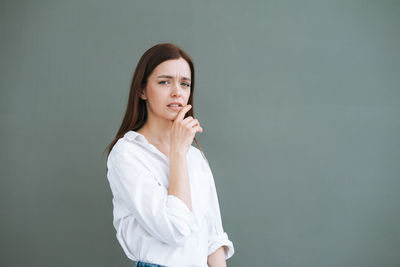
(299, 101)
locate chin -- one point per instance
(170, 116)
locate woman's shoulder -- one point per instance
(200, 157)
(125, 146)
(195, 152)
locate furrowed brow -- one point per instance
(170, 77)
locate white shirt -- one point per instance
(152, 226)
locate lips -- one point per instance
(175, 103)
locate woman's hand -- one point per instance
(183, 131)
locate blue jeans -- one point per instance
(145, 264)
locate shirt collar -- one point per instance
(132, 135)
(135, 136)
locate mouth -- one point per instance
(174, 107)
(176, 104)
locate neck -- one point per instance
(157, 131)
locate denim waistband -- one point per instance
(145, 264)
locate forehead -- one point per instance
(173, 67)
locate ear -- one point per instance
(142, 95)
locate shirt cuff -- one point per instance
(214, 242)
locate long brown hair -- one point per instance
(136, 111)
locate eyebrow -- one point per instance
(170, 77)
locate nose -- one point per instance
(176, 89)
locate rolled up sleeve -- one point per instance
(165, 217)
(217, 237)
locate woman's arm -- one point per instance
(165, 217)
(217, 237)
(217, 259)
(179, 185)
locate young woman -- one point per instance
(166, 210)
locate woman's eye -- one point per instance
(164, 82)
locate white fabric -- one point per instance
(152, 226)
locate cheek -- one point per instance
(188, 94)
(156, 97)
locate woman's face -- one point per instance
(169, 82)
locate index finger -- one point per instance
(182, 112)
